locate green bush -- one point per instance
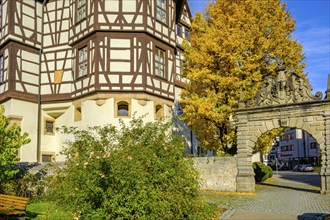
(261, 171)
(27, 186)
(11, 139)
(135, 172)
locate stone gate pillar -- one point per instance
(325, 156)
(245, 177)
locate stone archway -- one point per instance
(284, 101)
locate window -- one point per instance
(313, 145)
(287, 137)
(187, 33)
(81, 10)
(46, 158)
(160, 62)
(179, 30)
(49, 127)
(122, 109)
(287, 148)
(1, 69)
(82, 69)
(161, 10)
(179, 64)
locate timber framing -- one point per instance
(39, 46)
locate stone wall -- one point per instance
(217, 173)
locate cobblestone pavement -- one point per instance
(289, 193)
(288, 196)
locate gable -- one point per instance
(183, 13)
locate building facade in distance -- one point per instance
(295, 147)
(88, 62)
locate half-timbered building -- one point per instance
(88, 62)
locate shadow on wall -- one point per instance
(190, 140)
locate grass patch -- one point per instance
(42, 210)
(46, 210)
(226, 200)
(231, 200)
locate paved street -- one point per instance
(291, 194)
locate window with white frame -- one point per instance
(287, 137)
(161, 10)
(1, 69)
(179, 30)
(81, 10)
(160, 62)
(287, 148)
(82, 65)
(179, 64)
(187, 33)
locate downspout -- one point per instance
(39, 84)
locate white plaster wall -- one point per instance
(92, 115)
(28, 111)
(54, 143)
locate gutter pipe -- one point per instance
(39, 85)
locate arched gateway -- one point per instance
(284, 101)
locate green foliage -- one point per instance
(135, 172)
(11, 140)
(233, 45)
(266, 140)
(261, 171)
(27, 186)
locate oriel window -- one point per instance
(81, 10)
(82, 69)
(187, 33)
(161, 10)
(160, 62)
(179, 30)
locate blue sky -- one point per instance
(312, 31)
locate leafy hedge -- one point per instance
(135, 172)
(261, 171)
(11, 139)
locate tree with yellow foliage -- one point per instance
(266, 140)
(232, 46)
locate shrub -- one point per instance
(11, 139)
(27, 186)
(29, 181)
(261, 171)
(136, 172)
